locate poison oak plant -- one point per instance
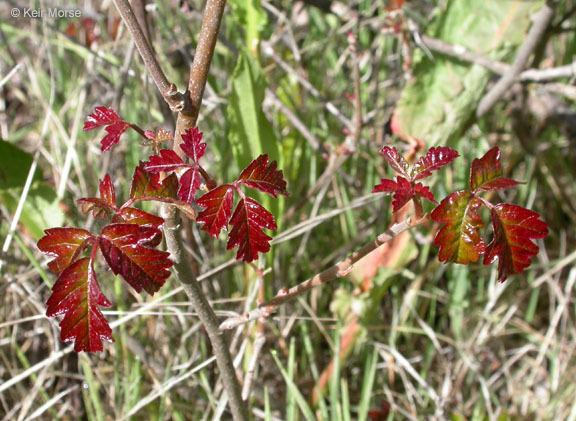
(129, 238)
(128, 243)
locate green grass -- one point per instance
(431, 340)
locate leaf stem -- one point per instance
(339, 270)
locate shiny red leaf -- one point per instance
(192, 144)
(137, 216)
(402, 190)
(64, 244)
(248, 220)
(104, 116)
(421, 191)
(264, 177)
(486, 173)
(514, 229)
(190, 181)
(103, 206)
(124, 248)
(77, 295)
(459, 240)
(434, 159)
(167, 161)
(147, 184)
(218, 203)
(395, 160)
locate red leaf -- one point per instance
(263, 177)
(104, 206)
(218, 203)
(395, 160)
(248, 220)
(107, 192)
(148, 184)
(486, 173)
(402, 190)
(64, 244)
(102, 116)
(124, 248)
(77, 295)
(189, 183)
(459, 240)
(514, 228)
(168, 160)
(136, 216)
(113, 137)
(421, 191)
(192, 144)
(434, 159)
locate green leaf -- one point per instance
(439, 104)
(14, 166)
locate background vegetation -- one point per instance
(403, 335)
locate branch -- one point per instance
(175, 99)
(531, 75)
(188, 107)
(541, 22)
(339, 270)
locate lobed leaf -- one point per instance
(102, 116)
(248, 220)
(459, 240)
(514, 228)
(192, 144)
(434, 159)
(167, 161)
(124, 248)
(64, 244)
(77, 295)
(395, 160)
(190, 181)
(147, 184)
(401, 189)
(103, 206)
(263, 177)
(486, 173)
(218, 203)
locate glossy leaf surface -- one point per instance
(395, 160)
(459, 239)
(63, 244)
(77, 295)
(218, 203)
(124, 248)
(434, 159)
(514, 229)
(403, 191)
(248, 220)
(486, 173)
(106, 117)
(103, 206)
(264, 177)
(147, 184)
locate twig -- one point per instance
(339, 270)
(541, 22)
(531, 75)
(175, 99)
(188, 107)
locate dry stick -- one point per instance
(541, 22)
(339, 270)
(531, 75)
(175, 99)
(188, 106)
